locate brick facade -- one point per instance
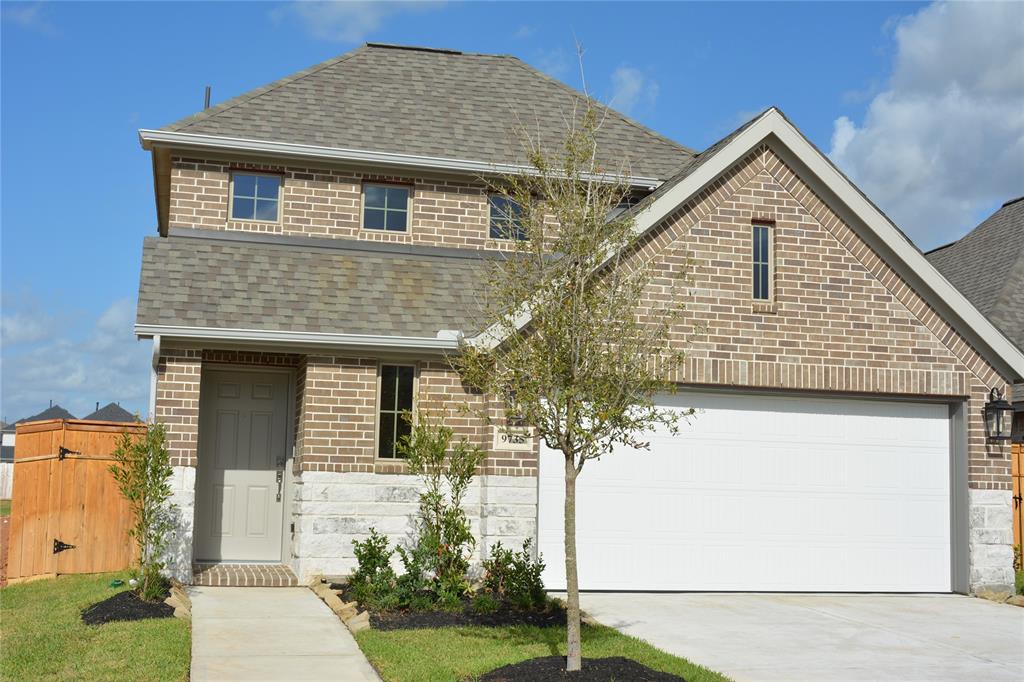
(319, 202)
(841, 321)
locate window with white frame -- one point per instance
(394, 407)
(255, 197)
(386, 207)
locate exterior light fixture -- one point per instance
(998, 417)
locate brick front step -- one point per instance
(243, 575)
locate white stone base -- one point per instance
(990, 538)
(330, 510)
(179, 547)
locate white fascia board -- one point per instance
(298, 338)
(773, 123)
(151, 138)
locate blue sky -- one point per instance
(79, 80)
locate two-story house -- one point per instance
(320, 253)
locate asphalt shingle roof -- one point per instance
(53, 412)
(111, 412)
(307, 285)
(439, 103)
(987, 266)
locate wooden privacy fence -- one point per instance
(67, 513)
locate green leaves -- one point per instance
(142, 470)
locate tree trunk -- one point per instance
(574, 648)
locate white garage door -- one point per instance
(764, 493)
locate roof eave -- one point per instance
(151, 139)
(443, 342)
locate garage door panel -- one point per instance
(834, 495)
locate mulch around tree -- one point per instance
(552, 669)
(401, 619)
(125, 606)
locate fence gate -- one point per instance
(67, 514)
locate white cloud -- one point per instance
(631, 88)
(554, 62)
(348, 22)
(31, 16)
(944, 140)
(52, 362)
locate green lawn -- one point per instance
(5, 507)
(458, 653)
(42, 636)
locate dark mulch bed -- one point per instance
(466, 616)
(552, 669)
(125, 606)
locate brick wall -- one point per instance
(327, 203)
(841, 319)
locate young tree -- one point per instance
(142, 469)
(582, 325)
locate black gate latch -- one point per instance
(63, 452)
(59, 546)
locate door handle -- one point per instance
(280, 483)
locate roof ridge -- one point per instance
(250, 95)
(1012, 201)
(626, 119)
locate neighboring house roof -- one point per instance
(987, 266)
(435, 103)
(216, 281)
(112, 412)
(53, 412)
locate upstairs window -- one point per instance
(506, 218)
(386, 207)
(396, 392)
(762, 275)
(255, 197)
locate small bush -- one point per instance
(485, 603)
(515, 577)
(1019, 579)
(373, 582)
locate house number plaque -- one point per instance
(512, 438)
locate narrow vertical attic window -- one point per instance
(762, 274)
(255, 197)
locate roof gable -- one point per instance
(111, 412)
(443, 104)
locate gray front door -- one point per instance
(243, 448)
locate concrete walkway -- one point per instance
(826, 637)
(271, 633)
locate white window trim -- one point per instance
(363, 207)
(231, 197)
(377, 406)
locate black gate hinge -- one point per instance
(59, 546)
(63, 452)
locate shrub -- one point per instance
(373, 582)
(485, 603)
(439, 556)
(142, 470)
(515, 576)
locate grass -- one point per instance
(467, 652)
(5, 507)
(42, 636)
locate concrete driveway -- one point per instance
(826, 637)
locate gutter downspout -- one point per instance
(152, 377)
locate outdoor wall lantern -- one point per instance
(998, 417)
